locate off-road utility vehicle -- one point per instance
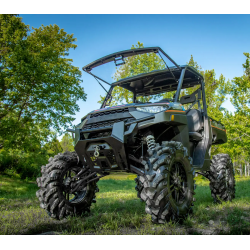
(163, 143)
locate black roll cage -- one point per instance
(176, 72)
(119, 56)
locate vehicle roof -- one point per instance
(159, 81)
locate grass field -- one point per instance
(119, 211)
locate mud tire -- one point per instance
(138, 187)
(160, 201)
(222, 180)
(50, 193)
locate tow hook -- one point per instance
(96, 153)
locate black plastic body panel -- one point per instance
(120, 132)
(218, 132)
(166, 125)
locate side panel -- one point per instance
(201, 159)
(218, 132)
(181, 129)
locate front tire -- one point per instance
(54, 194)
(168, 184)
(222, 180)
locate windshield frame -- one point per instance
(126, 53)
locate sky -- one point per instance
(215, 41)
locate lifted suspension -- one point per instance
(151, 142)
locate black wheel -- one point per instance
(56, 193)
(168, 184)
(221, 176)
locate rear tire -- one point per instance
(222, 180)
(53, 195)
(168, 184)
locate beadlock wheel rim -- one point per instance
(178, 183)
(78, 196)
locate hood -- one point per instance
(171, 105)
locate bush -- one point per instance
(6, 161)
(27, 165)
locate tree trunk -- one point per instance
(245, 169)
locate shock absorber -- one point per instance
(150, 142)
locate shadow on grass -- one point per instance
(226, 218)
(118, 208)
(47, 227)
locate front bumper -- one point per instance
(112, 148)
(112, 141)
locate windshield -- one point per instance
(132, 66)
(129, 63)
(118, 95)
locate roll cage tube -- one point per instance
(109, 95)
(178, 91)
(204, 97)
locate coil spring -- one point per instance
(150, 142)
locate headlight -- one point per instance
(153, 109)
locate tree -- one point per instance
(53, 147)
(238, 123)
(240, 89)
(39, 85)
(134, 65)
(215, 89)
(67, 143)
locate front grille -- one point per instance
(94, 135)
(105, 124)
(109, 112)
(99, 134)
(111, 158)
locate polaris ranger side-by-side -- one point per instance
(163, 143)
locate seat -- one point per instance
(194, 116)
(195, 124)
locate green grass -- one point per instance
(119, 211)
